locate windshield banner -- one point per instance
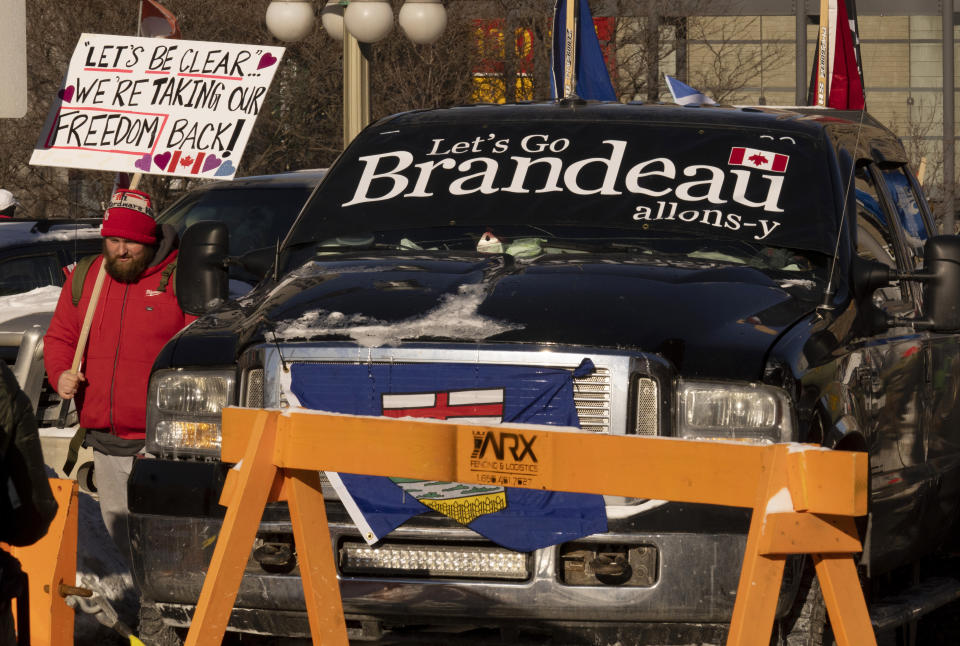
(151, 105)
(649, 178)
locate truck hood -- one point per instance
(707, 319)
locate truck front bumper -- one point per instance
(698, 554)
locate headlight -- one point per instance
(714, 410)
(183, 410)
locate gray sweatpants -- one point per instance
(111, 473)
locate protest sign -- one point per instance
(147, 105)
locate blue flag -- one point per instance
(683, 94)
(592, 80)
(519, 519)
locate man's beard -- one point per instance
(127, 272)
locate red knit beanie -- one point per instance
(130, 216)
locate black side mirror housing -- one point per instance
(202, 280)
(258, 262)
(869, 276)
(941, 292)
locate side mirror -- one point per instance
(941, 293)
(258, 262)
(869, 276)
(202, 280)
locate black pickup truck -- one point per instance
(756, 275)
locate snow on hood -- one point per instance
(20, 233)
(39, 300)
(455, 317)
(797, 282)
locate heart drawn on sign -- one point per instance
(211, 162)
(66, 94)
(226, 169)
(162, 160)
(143, 163)
(266, 60)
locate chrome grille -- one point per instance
(254, 389)
(646, 421)
(591, 395)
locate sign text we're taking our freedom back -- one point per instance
(158, 106)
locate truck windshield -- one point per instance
(256, 217)
(544, 187)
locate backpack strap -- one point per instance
(168, 274)
(73, 449)
(79, 276)
(167, 277)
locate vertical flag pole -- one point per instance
(823, 53)
(570, 50)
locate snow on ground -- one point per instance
(97, 556)
(41, 299)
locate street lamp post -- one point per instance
(357, 23)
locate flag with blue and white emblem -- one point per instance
(519, 519)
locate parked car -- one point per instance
(35, 256)
(748, 274)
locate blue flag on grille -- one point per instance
(519, 519)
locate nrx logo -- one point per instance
(499, 441)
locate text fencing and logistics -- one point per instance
(146, 105)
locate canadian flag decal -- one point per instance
(759, 159)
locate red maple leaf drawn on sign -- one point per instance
(186, 161)
(758, 160)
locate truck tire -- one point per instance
(152, 630)
(806, 624)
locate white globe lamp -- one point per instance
(290, 20)
(331, 17)
(423, 21)
(368, 20)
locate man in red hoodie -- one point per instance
(135, 315)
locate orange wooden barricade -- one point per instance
(50, 562)
(804, 501)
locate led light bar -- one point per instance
(433, 561)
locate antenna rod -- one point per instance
(828, 292)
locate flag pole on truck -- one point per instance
(578, 67)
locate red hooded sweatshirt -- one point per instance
(131, 324)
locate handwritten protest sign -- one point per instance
(146, 105)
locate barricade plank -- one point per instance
(318, 569)
(825, 481)
(253, 485)
(802, 533)
(725, 473)
(844, 600)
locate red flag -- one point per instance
(846, 86)
(156, 21)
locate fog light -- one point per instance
(188, 435)
(433, 561)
